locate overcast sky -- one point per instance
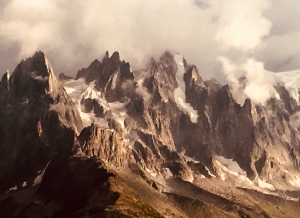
(218, 36)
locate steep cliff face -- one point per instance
(277, 139)
(38, 120)
(106, 144)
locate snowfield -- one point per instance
(230, 171)
(78, 90)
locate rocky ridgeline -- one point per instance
(262, 139)
(164, 123)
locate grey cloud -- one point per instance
(280, 50)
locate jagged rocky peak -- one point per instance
(192, 77)
(38, 120)
(34, 73)
(112, 76)
(163, 76)
(172, 71)
(83, 73)
(103, 69)
(4, 83)
(115, 57)
(167, 66)
(6, 76)
(37, 65)
(64, 77)
(38, 62)
(212, 85)
(106, 56)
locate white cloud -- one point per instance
(257, 83)
(241, 24)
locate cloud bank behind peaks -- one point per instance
(241, 24)
(76, 32)
(243, 29)
(208, 33)
(249, 80)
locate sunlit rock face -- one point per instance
(106, 144)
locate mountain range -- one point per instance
(155, 142)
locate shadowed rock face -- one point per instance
(38, 120)
(76, 187)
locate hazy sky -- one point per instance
(221, 37)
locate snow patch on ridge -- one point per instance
(39, 178)
(187, 158)
(190, 159)
(290, 80)
(78, 89)
(263, 184)
(69, 89)
(296, 181)
(168, 172)
(209, 173)
(151, 173)
(230, 171)
(15, 188)
(293, 178)
(231, 165)
(179, 93)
